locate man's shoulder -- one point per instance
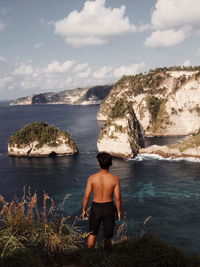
(116, 178)
(96, 175)
(92, 176)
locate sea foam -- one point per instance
(145, 156)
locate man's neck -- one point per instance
(104, 170)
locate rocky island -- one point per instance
(79, 96)
(166, 101)
(39, 139)
(190, 147)
(122, 135)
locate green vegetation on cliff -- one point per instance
(119, 109)
(153, 105)
(139, 82)
(192, 142)
(40, 132)
(176, 68)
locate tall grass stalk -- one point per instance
(27, 229)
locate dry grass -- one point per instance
(26, 229)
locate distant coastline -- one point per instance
(79, 96)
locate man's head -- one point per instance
(105, 160)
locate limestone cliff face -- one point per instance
(79, 96)
(165, 101)
(122, 135)
(39, 139)
(189, 147)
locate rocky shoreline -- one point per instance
(189, 147)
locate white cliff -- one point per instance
(39, 139)
(121, 137)
(167, 103)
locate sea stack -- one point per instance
(122, 134)
(38, 139)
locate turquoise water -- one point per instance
(166, 190)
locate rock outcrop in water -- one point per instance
(122, 135)
(80, 96)
(166, 101)
(39, 139)
(190, 147)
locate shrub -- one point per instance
(40, 132)
(119, 109)
(146, 251)
(153, 105)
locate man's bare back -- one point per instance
(104, 186)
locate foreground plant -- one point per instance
(35, 235)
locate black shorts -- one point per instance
(102, 212)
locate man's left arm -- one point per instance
(88, 191)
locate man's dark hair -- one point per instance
(105, 160)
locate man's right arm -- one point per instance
(86, 197)
(118, 201)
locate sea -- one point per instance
(166, 191)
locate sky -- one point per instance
(54, 45)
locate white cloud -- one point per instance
(2, 59)
(103, 73)
(57, 67)
(25, 76)
(81, 67)
(5, 80)
(170, 14)
(69, 79)
(90, 40)
(128, 70)
(84, 74)
(144, 27)
(165, 38)
(174, 21)
(23, 69)
(38, 45)
(187, 63)
(94, 24)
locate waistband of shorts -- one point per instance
(102, 203)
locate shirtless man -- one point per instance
(104, 185)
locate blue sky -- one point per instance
(54, 45)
